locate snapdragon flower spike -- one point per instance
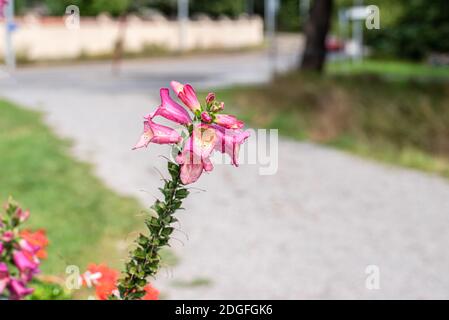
(228, 121)
(229, 141)
(19, 250)
(170, 110)
(156, 133)
(187, 95)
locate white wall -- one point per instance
(48, 38)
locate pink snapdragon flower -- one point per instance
(187, 95)
(8, 236)
(229, 141)
(157, 133)
(170, 109)
(228, 121)
(1, 248)
(19, 289)
(27, 263)
(24, 262)
(4, 276)
(195, 157)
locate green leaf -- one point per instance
(181, 194)
(173, 169)
(143, 240)
(167, 231)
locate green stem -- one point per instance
(144, 261)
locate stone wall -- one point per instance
(49, 38)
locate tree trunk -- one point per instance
(316, 31)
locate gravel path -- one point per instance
(308, 231)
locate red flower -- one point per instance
(103, 278)
(151, 293)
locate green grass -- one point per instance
(400, 122)
(85, 221)
(396, 70)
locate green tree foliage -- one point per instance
(215, 8)
(167, 7)
(89, 7)
(288, 15)
(422, 27)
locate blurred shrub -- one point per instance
(48, 291)
(379, 116)
(421, 28)
(89, 7)
(215, 8)
(288, 15)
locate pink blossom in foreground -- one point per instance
(19, 289)
(170, 110)
(157, 133)
(20, 252)
(4, 276)
(187, 95)
(24, 263)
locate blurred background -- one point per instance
(358, 91)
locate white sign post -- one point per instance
(10, 57)
(356, 14)
(271, 7)
(183, 16)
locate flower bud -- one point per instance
(206, 117)
(210, 99)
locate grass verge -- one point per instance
(85, 221)
(400, 122)
(391, 70)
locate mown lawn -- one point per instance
(393, 70)
(85, 221)
(369, 113)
